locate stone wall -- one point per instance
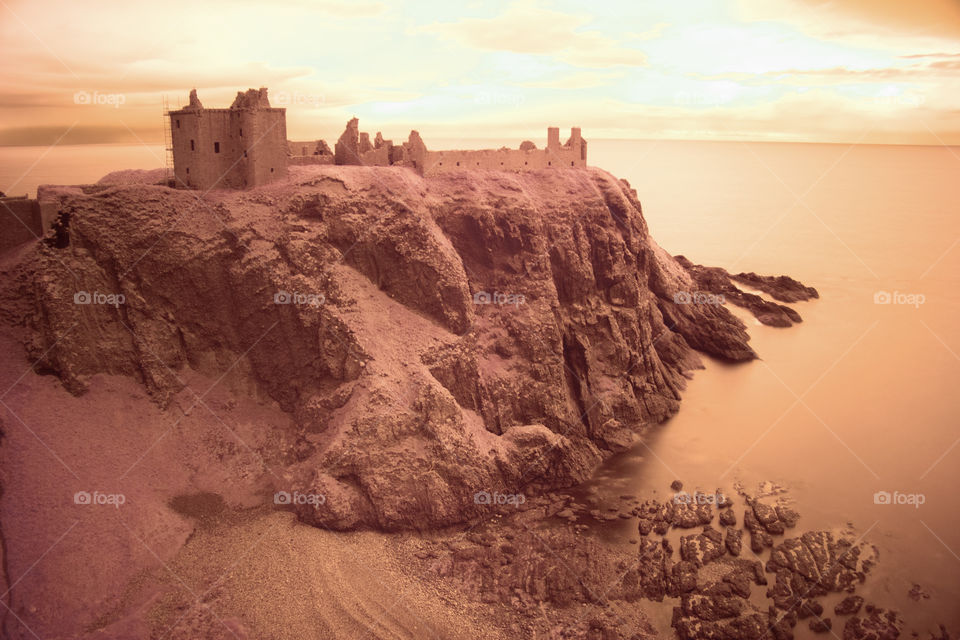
(20, 221)
(205, 149)
(306, 147)
(376, 157)
(266, 145)
(527, 158)
(308, 152)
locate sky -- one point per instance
(884, 71)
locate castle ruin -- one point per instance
(236, 148)
(246, 146)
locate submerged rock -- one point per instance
(719, 283)
(815, 564)
(877, 624)
(849, 605)
(782, 288)
(821, 625)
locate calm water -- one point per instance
(22, 169)
(860, 398)
(878, 409)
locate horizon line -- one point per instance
(160, 143)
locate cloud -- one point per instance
(920, 17)
(872, 19)
(47, 135)
(654, 32)
(527, 28)
(578, 80)
(934, 67)
(336, 8)
(343, 8)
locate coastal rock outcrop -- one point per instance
(719, 283)
(782, 288)
(438, 341)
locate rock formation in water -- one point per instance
(509, 561)
(720, 283)
(435, 339)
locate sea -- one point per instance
(854, 414)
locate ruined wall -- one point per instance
(49, 200)
(246, 146)
(376, 157)
(308, 152)
(20, 221)
(415, 152)
(502, 160)
(303, 147)
(571, 154)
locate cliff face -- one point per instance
(432, 338)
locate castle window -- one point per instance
(192, 148)
(245, 155)
(571, 163)
(178, 123)
(271, 169)
(241, 132)
(549, 163)
(188, 170)
(216, 147)
(458, 163)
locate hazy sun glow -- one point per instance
(868, 70)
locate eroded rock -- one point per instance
(876, 624)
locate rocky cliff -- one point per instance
(432, 338)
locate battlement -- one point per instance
(246, 145)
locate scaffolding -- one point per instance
(167, 140)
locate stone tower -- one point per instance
(236, 148)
